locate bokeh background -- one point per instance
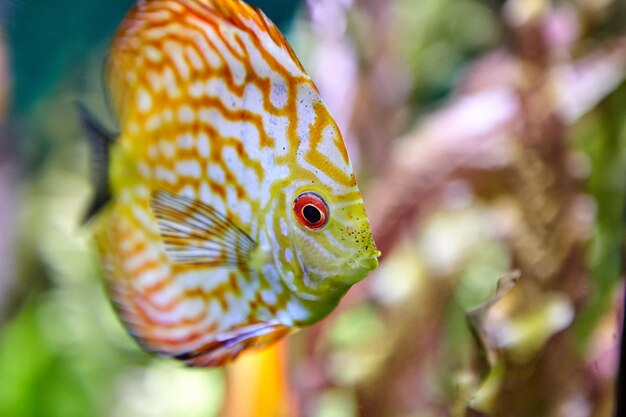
(489, 139)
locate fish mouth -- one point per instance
(369, 264)
(358, 268)
(369, 261)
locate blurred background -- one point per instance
(489, 138)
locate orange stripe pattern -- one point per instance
(220, 119)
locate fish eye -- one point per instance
(311, 211)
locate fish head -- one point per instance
(332, 239)
(329, 230)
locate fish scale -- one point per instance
(225, 148)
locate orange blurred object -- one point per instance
(258, 385)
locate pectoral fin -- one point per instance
(195, 233)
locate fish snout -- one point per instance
(357, 267)
(369, 263)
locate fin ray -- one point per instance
(195, 233)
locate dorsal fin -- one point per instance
(100, 141)
(239, 13)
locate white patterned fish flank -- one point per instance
(236, 217)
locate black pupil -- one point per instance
(311, 214)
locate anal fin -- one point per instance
(229, 345)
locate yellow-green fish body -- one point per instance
(232, 213)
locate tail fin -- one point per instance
(100, 140)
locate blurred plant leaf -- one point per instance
(476, 320)
(38, 382)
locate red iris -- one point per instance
(311, 211)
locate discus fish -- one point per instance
(227, 214)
